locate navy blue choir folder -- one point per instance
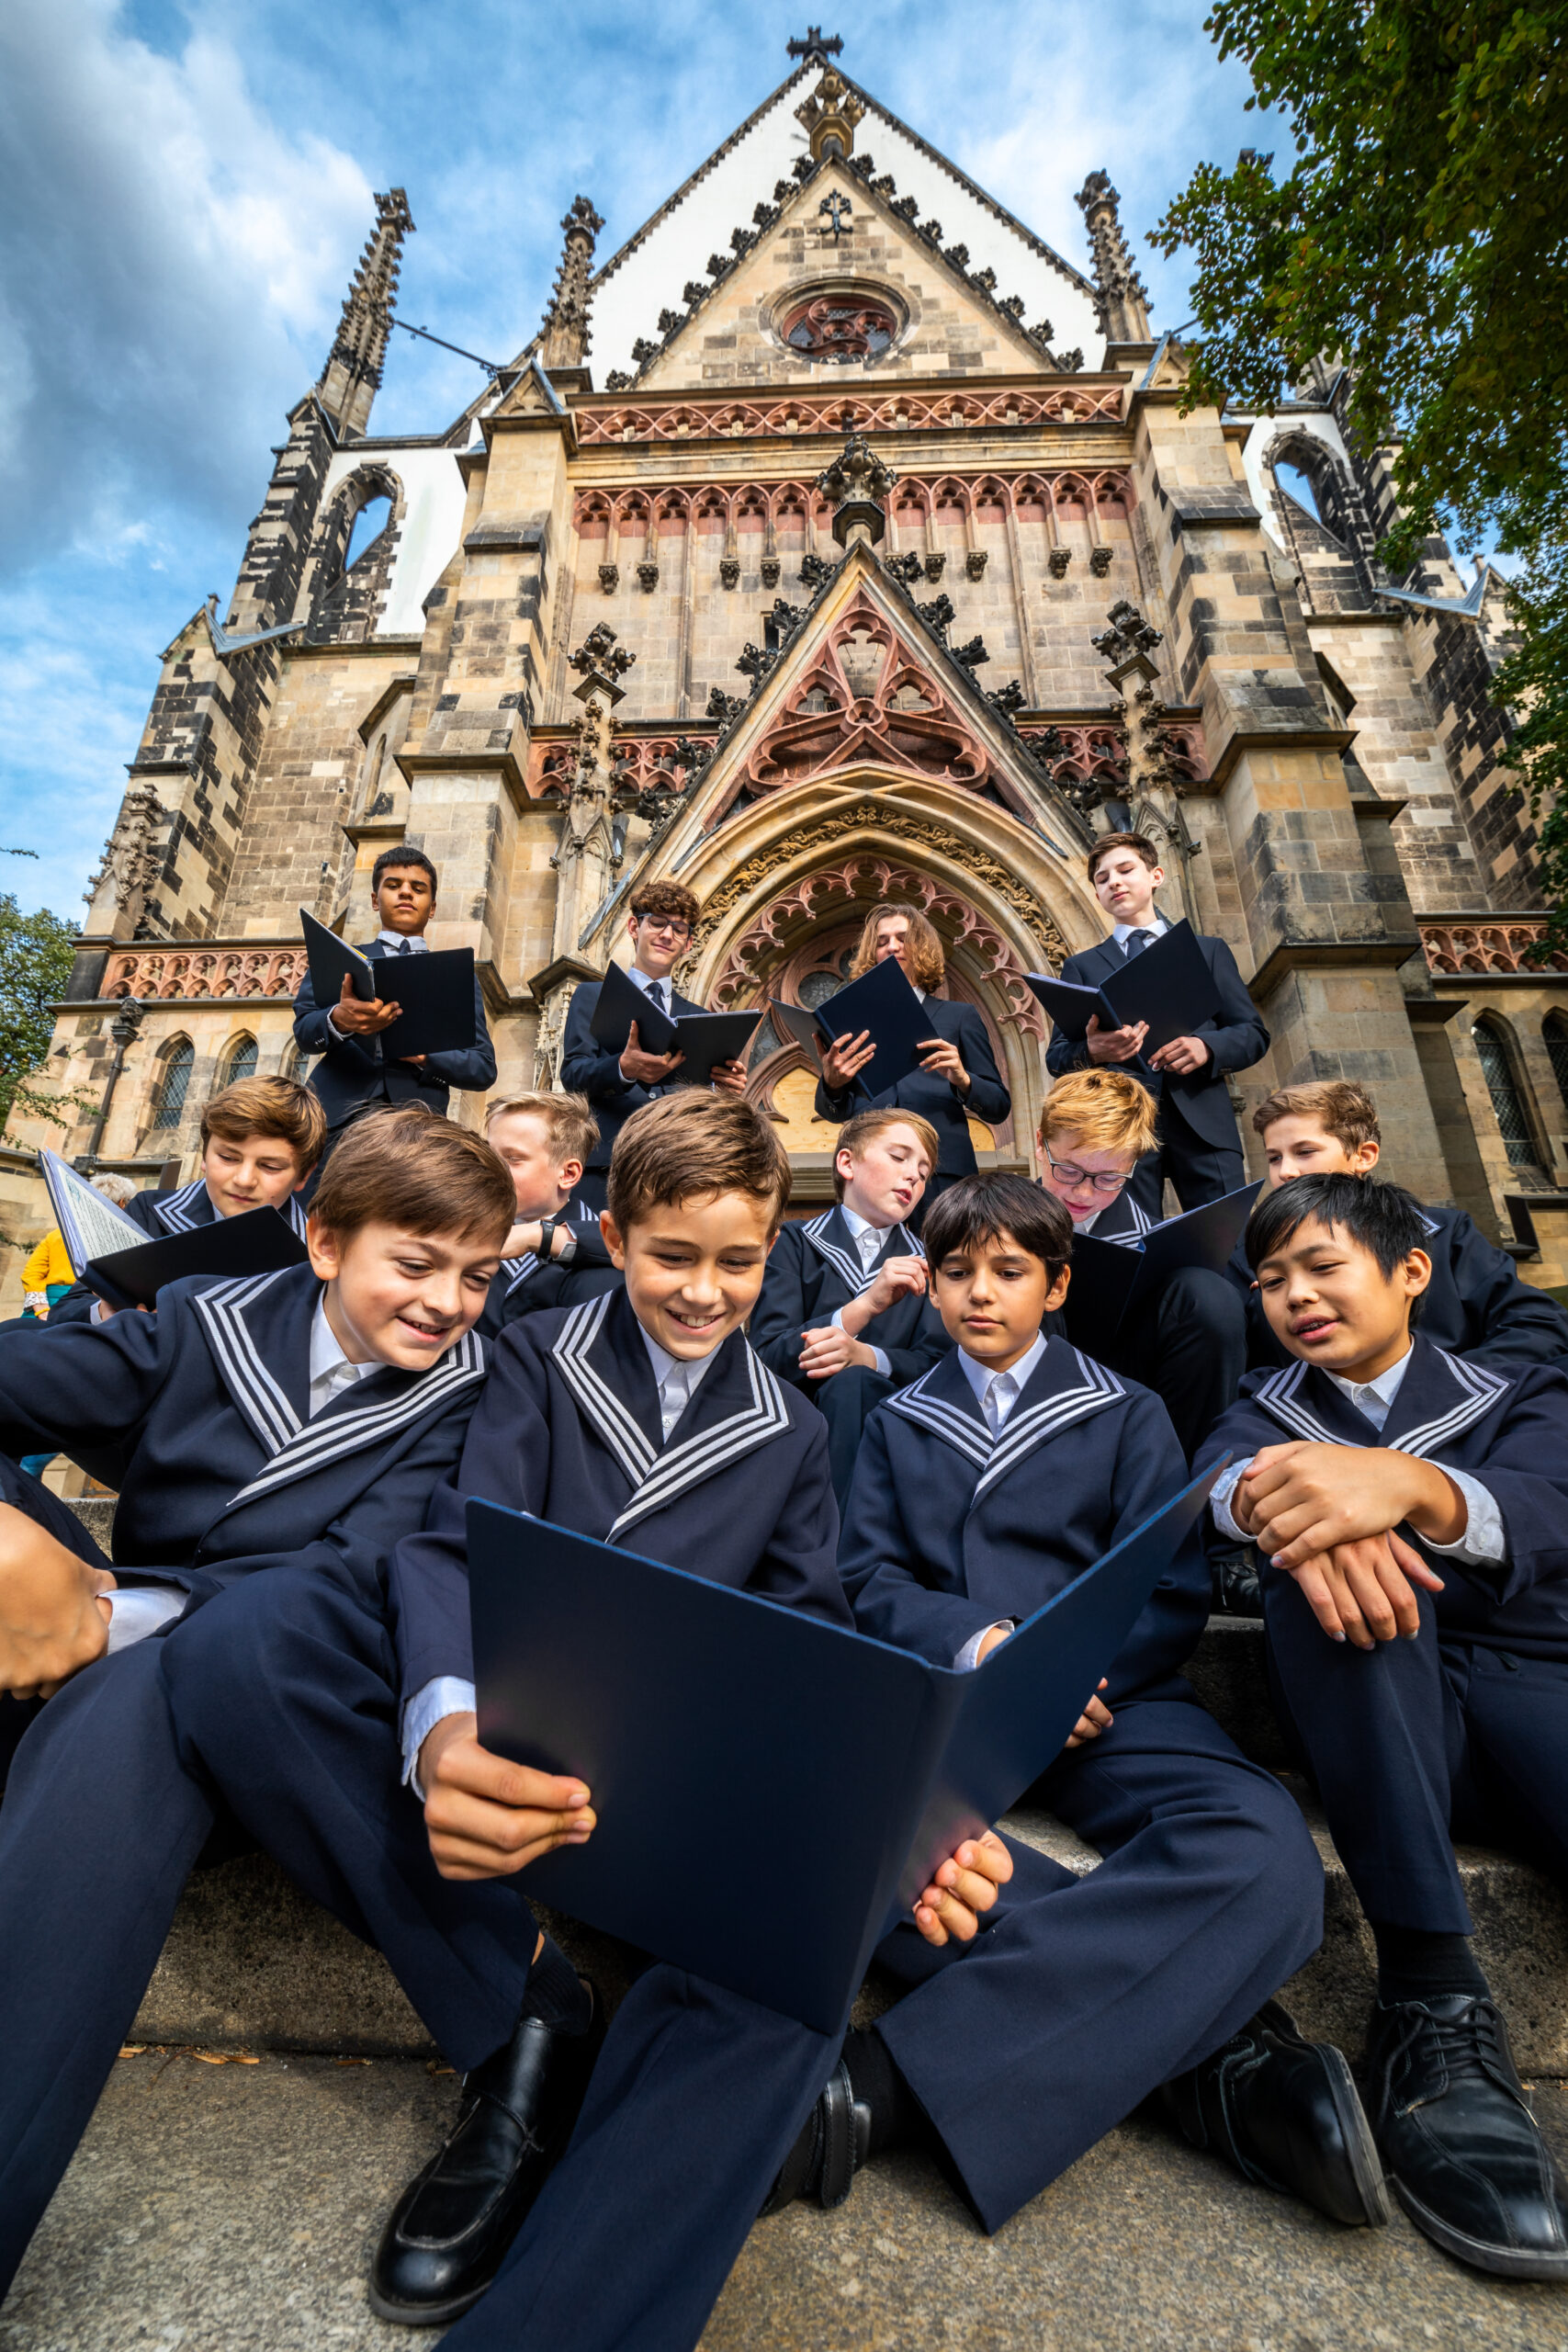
(703, 1038)
(882, 1002)
(434, 989)
(259, 1241)
(1114, 1281)
(772, 1791)
(1168, 985)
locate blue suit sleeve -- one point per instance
(1514, 1323)
(86, 1384)
(314, 1033)
(988, 1098)
(875, 1554)
(779, 1316)
(1238, 1039)
(1527, 1473)
(587, 1067)
(1065, 1053)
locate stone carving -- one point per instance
(905, 568)
(975, 562)
(934, 563)
(729, 570)
(1127, 635)
(814, 573)
(647, 574)
(214, 971)
(349, 380)
(1058, 559)
(609, 578)
(588, 848)
(723, 706)
(679, 417)
(858, 483)
(130, 863)
(1100, 561)
(1501, 946)
(565, 324)
(1121, 298)
(970, 655)
(830, 116)
(769, 571)
(837, 209)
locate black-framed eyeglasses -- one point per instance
(672, 923)
(1072, 1177)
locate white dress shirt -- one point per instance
(1122, 931)
(995, 1393)
(869, 1240)
(1484, 1538)
(141, 1609)
(662, 991)
(677, 1379)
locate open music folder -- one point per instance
(703, 1039)
(1168, 985)
(1114, 1281)
(772, 1791)
(882, 1003)
(435, 990)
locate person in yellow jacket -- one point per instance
(47, 1275)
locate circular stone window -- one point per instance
(841, 327)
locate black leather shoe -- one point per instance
(831, 2149)
(1232, 1574)
(1285, 2112)
(450, 2228)
(1467, 2162)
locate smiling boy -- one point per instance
(1428, 1701)
(843, 1314)
(233, 1664)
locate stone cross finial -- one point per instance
(1123, 299)
(858, 483)
(565, 323)
(353, 372)
(814, 49)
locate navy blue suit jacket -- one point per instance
(1236, 1041)
(588, 1068)
(815, 1269)
(568, 1429)
(1505, 1424)
(945, 1531)
(932, 1095)
(1475, 1305)
(353, 1076)
(207, 1401)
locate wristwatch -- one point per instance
(548, 1227)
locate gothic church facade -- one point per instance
(833, 539)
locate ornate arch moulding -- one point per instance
(679, 418)
(192, 974)
(1028, 495)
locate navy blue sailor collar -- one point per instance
(259, 1329)
(183, 1210)
(1065, 1388)
(1440, 1398)
(831, 1237)
(601, 1357)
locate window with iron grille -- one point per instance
(1555, 1032)
(1497, 1068)
(174, 1085)
(242, 1062)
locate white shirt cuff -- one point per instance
(447, 1694)
(883, 1366)
(139, 1610)
(968, 1657)
(1485, 1539)
(1219, 1496)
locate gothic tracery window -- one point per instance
(173, 1084)
(835, 328)
(1507, 1097)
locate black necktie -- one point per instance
(1136, 943)
(405, 947)
(657, 991)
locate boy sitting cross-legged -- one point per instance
(1189, 1345)
(844, 1313)
(1374, 1452)
(555, 1254)
(1474, 1305)
(643, 1418)
(233, 1666)
(260, 1139)
(981, 1491)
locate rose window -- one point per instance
(833, 328)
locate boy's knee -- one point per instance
(1208, 1302)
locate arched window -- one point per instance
(1296, 485)
(293, 1062)
(1508, 1099)
(168, 1106)
(240, 1062)
(368, 524)
(1554, 1030)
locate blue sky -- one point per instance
(184, 194)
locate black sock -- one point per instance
(1416, 1966)
(556, 1995)
(896, 2115)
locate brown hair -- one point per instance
(411, 1169)
(856, 1133)
(566, 1120)
(279, 1107)
(1108, 842)
(1341, 1108)
(979, 1208)
(926, 966)
(671, 899)
(692, 1146)
(1105, 1109)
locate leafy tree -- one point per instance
(1420, 235)
(35, 953)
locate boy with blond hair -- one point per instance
(843, 1314)
(1189, 1344)
(1474, 1305)
(233, 1664)
(555, 1253)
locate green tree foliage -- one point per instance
(36, 955)
(1421, 236)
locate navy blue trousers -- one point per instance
(273, 1705)
(1024, 2048)
(1190, 1346)
(1414, 1744)
(1200, 1171)
(844, 1402)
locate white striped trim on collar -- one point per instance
(297, 1214)
(174, 1213)
(254, 1390)
(967, 1433)
(658, 1479)
(848, 1263)
(332, 1435)
(1142, 1223)
(1480, 1390)
(1021, 1431)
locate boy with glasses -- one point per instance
(1189, 1345)
(663, 919)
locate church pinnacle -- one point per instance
(1122, 298)
(565, 323)
(353, 371)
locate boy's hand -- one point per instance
(488, 1818)
(729, 1078)
(52, 1620)
(356, 1019)
(896, 1279)
(1183, 1054)
(524, 1236)
(843, 1060)
(1303, 1500)
(942, 1058)
(640, 1068)
(962, 1888)
(1114, 1044)
(1096, 1717)
(1362, 1592)
(831, 1350)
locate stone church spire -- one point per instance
(354, 369)
(1122, 298)
(565, 323)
